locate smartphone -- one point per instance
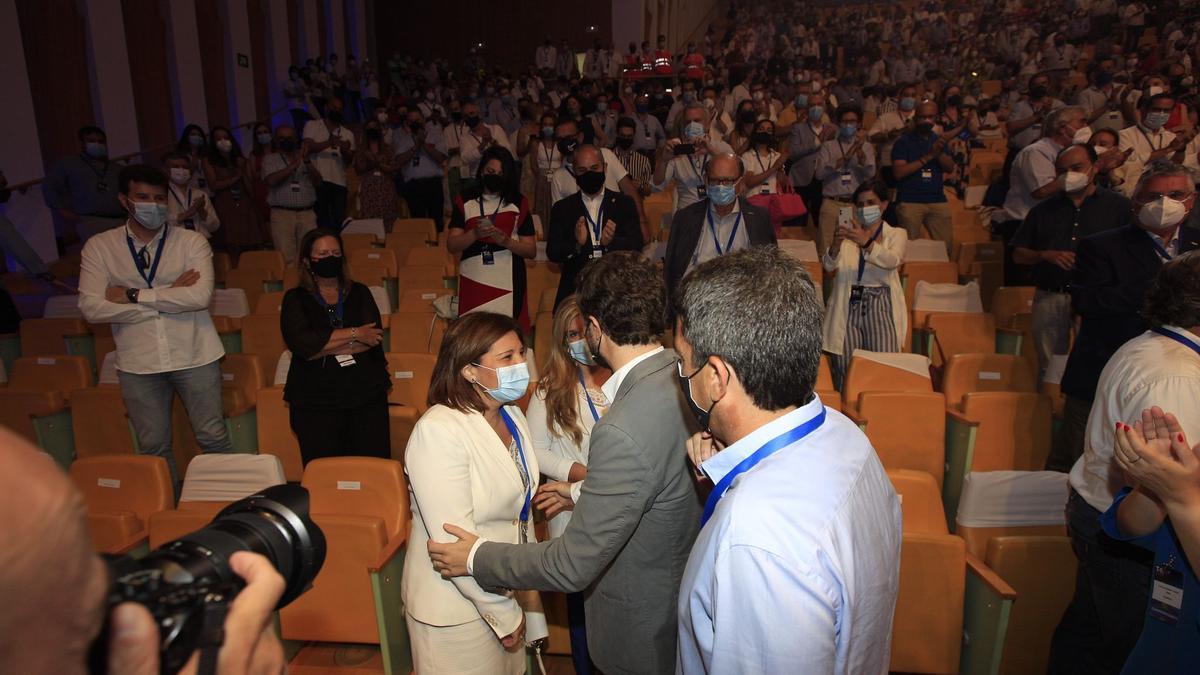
(845, 217)
(685, 149)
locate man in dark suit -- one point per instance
(716, 225)
(1113, 271)
(591, 222)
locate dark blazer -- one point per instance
(1113, 273)
(564, 249)
(690, 222)
(631, 532)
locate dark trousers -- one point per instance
(331, 205)
(1112, 588)
(361, 431)
(578, 630)
(425, 199)
(1014, 274)
(811, 194)
(1068, 447)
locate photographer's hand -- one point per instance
(251, 646)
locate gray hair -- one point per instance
(1174, 297)
(1054, 118)
(682, 122)
(757, 310)
(1161, 167)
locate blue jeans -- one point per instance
(148, 399)
(578, 631)
(1112, 588)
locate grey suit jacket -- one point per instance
(631, 532)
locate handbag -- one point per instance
(782, 206)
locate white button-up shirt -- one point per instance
(795, 577)
(1149, 370)
(562, 182)
(706, 248)
(328, 162)
(169, 328)
(1033, 168)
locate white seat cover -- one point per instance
(382, 300)
(925, 250)
(282, 366)
(229, 302)
(1013, 499)
(225, 477)
(800, 249)
(365, 226)
(62, 307)
(108, 369)
(947, 298)
(917, 364)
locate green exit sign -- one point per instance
(243, 60)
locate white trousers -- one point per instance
(466, 649)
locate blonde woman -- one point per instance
(564, 407)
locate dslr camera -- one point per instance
(188, 585)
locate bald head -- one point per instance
(588, 158)
(50, 618)
(725, 166)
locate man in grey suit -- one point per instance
(638, 513)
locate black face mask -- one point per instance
(493, 182)
(590, 182)
(334, 116)
(329, 267)
(471, 121)
(456, 115)
(566, 146)
(704, 417)
(747, 117)
(763, 137)
(416, 127)
(924, 128)
(286, 144)
(624, 143)
(1037, 93)
(600, 360)
(373, 134)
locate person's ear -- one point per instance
(469, 374)
(124, 200)
(720, 378)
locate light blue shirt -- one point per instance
(797, 570)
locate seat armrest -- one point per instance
(988, 576)
(958, 418)
(394, 546)
(139, 539)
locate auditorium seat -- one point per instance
(545, 302)
(422, 226)
(364, 226)
(1052, 383)
(883, 371)
(102, 343)
(422, 276)
(907, 429)
(221, 266)
(539, 277)
(243, 375)
(967, 373)
(416, 332)
(268, 261)
(270, 303)
(930, 272)
(121, 494)
(824, 388)
(399, 240)
(1041, 569)
(402, 419)
(375, 256)
(62, 307)
(262, 335)
(920, 502)
(252, 281)
(275, 436)
(211, 483)
(1011, 301)
(411, 373)
(356, 241)
(371, 275)
(926, 250)
(361, 504)
(50, 337)
(1011, 504)
(100, 422)
(983, 262)
(418, 299)
(426, 256)
(543, 336)
(34, 404)
(951, 333)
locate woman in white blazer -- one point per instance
(565, 406)
(470, 462)
(866, 307)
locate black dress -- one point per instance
(335, 409)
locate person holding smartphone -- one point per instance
(866, 307)
(682, 160)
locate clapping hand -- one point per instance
(1155, 454)
(607, 234)
(581, 231)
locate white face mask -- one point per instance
(1162, 213)
(150, 215)
(1074, 181)
(224, 145)
(180, 176)
(1082, 136)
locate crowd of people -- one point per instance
(851, 123)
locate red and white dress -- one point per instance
(490, 277)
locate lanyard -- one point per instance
(703, 167)
(512, 429)
(338, 311)
(99, 174)
(1158, 248)
(180, 201)
(774, 445)
(549, 156)
(137, 262)
(1176, 337)
(592, 406)
(597, 224)
(483, 214)
(862, 253)
(732, 234)
(1149, 140)
(761, 166)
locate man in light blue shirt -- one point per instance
(797, 565)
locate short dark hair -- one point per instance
(91, 129)
(465, 341)
(877, 186)
(757, 310)
(1091, 152)
(140, 173)
(1147, 101)
(175, 155)
(625, 293)
(1174, 297)
(626, 123)
(849, 109)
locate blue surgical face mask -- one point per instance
(601, 106)
(150, 215)
(869, 215)
(908, 103)
(801, 101)
(815, 113)
(96, 150)
(721, 195)
(580, 352)
(689, 97)
(264, 139)
(1155, 120)
(511, 382)
(693, 130)
(849, 129)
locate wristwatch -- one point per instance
(132, 294)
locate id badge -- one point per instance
(926, 174)
(765, 190)
(846, 179)
(856, 295)
(597, 251)
(295, 186)
(345, 360)
(489, 258)
(1166, 597)
(101, 186)
(702, 191)
(236, 193)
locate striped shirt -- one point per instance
(638, 167)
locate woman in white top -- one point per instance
(470, 462)
(188, 207)
(565, 406)
(866, 307)
(762, 161)
(544, 160)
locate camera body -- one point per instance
(187, 584)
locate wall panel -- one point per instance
(212, 61)
(148, 69)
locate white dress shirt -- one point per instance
(328, 162)
(1032, 168)
(1144, 142)
(180, 200)
(1149, 370)
(706, 248)
(556, 452)
(169, 328)
(562, 183)
(795, 577)
(469, 146)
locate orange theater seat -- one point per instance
(121, 494)
(411, 373)
(907, 429)
(1013, 430)
(100, 422)
(416, 332)
(966, 373)
(960, 333)
(382, 257)
(275, 435)
(37, 388)
(920, 502)
(874, 371)
(268, 261)
(927, 625)
(47, 337)
(213, 482)
(262, 335)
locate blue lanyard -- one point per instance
(338, 311)
(483, 214)
(1158, 248)
(512, 429)
(732, 234)
(862, 253)
(595, 225)
(137, 262)
(774, 445)
(595, 415)
(1178, 338)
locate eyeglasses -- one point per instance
(1178, 196)
(727, 182)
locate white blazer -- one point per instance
(460, 473)
(887, 254)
